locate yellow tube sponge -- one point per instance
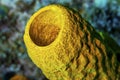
(65, 46)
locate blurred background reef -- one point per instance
(104, 15)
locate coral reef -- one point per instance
(66, 47)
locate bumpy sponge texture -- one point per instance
(66, 47)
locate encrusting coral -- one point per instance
(66, 47)
(19, 77)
